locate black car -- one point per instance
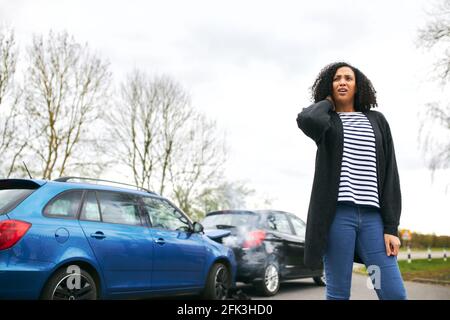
(268, 246)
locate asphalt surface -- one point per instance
(306, 289)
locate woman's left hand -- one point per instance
(392, 244)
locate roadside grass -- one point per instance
(435, 271)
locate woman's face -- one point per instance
(344, 85)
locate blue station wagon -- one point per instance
(72, 240)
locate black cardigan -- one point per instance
(323, 125)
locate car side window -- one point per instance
(162, 215)
(119, 208)
(299, 227)
(279, 222)
(90, 210)
(65, 205)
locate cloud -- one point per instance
(290, 43)
(249, 64)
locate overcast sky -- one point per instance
(250, 64)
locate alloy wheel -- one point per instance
(271, 278)
(221, 283)
(63, 291)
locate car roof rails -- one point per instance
(66, 179)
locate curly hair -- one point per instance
(365, 96)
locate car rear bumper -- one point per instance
(250, 263)
(249, 273)
(23, 280)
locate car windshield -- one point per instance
(10, 198)
(229, 220)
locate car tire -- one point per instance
(270, 284)
(320, 281)
(218, 283)
(58, 286)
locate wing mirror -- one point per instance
(197, 227)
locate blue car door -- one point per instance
(179, 254)
(121, 243)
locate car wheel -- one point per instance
(320, 281)
(66, 286)
(218, 283)
(270, 284)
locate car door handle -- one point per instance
(160, 241)
(98, 235)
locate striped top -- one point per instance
(358, 180)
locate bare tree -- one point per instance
(66, 95)
(135, 128)
(198, 161)
(436, 34)
(8, 61)
(13, 138)
(223, 196)
(176, 113)
(168, 146)
(147, 123)
(434, 132)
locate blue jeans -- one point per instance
(360, 228)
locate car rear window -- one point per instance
(65, 205)
(10, 198)
(224, 220)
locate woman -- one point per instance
(355, 203)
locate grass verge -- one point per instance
(436, 271)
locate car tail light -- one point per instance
(254, 239)
(11, 231)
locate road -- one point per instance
(306, 289)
